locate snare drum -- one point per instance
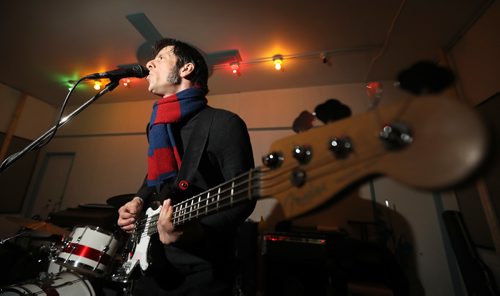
(66, 283)
(88, 249)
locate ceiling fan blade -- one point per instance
(141, 22)
(223, 57)
(144, 53)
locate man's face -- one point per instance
(163, 76)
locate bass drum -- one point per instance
(66, 283)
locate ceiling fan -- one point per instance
(146, 28)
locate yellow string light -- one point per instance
(278, 62)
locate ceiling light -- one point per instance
(278, 62)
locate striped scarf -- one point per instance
(164, 160)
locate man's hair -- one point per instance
(187, 54)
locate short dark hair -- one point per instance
(187, 54)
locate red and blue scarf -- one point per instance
(164, 160)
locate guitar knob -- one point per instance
(302, 153)
(341, 147)
(273, 160)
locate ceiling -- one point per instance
(45, 43)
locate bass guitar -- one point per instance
(424, 142)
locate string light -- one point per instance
(278, 62)
(97, 85)
(235, 68)
(324, 56)
(126, 82)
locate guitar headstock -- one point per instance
(424, 142)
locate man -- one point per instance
(212, 149)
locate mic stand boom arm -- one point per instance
(40, 140)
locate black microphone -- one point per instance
(135, 70)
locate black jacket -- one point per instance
(226, 153)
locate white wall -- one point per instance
(8, 100)
(476, 57)
(35, 119)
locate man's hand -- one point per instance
(129, 213)
(165, 226)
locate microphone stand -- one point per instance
(35, 144)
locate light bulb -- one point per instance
(235, 68)
(278, 62)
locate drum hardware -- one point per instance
(21, 233)
(105, 250)
(73, 246)
(55, 268)
(51, 251)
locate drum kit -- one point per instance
(77, 265)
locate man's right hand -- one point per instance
(129, 213)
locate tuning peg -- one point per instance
(341, 147)
(425, 77)
(303, 122)
(302, 153)
(332, 110)
(396, 135)
(273, 160)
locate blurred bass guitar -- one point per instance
(424, 142)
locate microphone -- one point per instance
(135, 70)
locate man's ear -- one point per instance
(187, 69)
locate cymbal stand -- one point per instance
(4, 240)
